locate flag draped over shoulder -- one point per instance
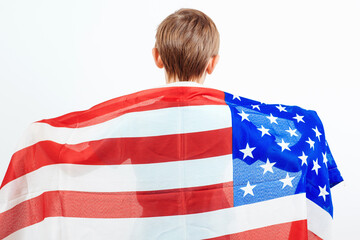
(175, 162)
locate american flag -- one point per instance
(176, 162)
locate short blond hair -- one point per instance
(186, 40)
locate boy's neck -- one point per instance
(176, 79)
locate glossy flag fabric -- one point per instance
(174, 162)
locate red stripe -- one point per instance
(116, 205)
(313, 236)
(150, 99)
(155, 149)
(293, 231)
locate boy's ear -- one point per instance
(212, 64)
(159, 63)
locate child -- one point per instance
(175, 162)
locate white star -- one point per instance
(318, 134)
(244, 116)
(264, 131)
(311, 142)
(316, 166)
(236, 96)
(292, 132)
(256, 106)
(325, 160)
(247, 151)
(272, 119)
(248, 189)
(281, 108)
(284, 145)
(287, 181)
(268, 166)
(303, 158)
(323, 192)
(299, 118)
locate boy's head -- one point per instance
(187, 45)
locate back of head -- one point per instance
(186, 40)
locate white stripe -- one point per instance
(319, 221)
(117, 178)
(192, 226)
(158, 122)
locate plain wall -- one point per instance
(63, 56)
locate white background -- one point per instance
(62, 56)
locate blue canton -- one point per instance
(279, 150)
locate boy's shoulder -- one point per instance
(271, 111)
(148, 99)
